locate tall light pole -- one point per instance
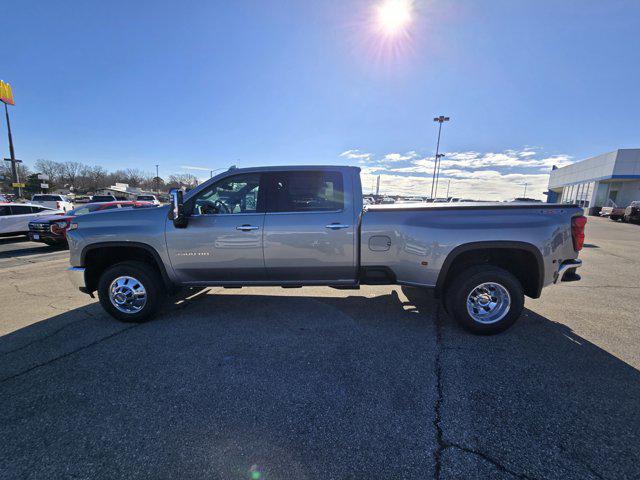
(157, 180)
(448, 185)
(438, 161)
(524, 195)
(441, 119)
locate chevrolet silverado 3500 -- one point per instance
(306, 225)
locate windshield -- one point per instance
(84, 210)
(146, 198)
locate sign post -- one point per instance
(6, 97)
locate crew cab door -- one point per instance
(223, 239)
(309, 228)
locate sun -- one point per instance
(394, 16)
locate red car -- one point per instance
(53, 230)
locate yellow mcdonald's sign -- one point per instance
(6, 95)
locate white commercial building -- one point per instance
(610, 178)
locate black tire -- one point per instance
(466, 282)
(146, 276)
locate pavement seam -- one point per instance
(2, 354)
(84, 347)
(442, 444)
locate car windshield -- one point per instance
(84, 210)
(145, 198)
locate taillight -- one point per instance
(60, 227)
(577, 232)
(58, 205)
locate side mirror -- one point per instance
(180, 219)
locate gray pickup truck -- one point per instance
(306, 225)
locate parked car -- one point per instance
(103, 198)
(52, 230)
(614, 213)
(3, 199)
(295, 226)
(15, 217)
(632, 212)
(58, 202)
(387, 200)
(148, 198)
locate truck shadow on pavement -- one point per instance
(373, 385)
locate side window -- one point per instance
(306, 191)
(4, 210)
(36, 209)
(236, 194)
(20, 209)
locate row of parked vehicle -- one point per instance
(628, 214)
(47, 217)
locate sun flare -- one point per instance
(394, 16)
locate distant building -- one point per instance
(122, 191)
(596, 182)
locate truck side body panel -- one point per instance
(414, 243)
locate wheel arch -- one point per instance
(97, 257)
(522, 259)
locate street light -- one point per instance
(438, 161)
(441, 119)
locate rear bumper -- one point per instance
(76, 277)
(567, 271)
(39, 236)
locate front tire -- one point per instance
(485, 299)
(131, 292)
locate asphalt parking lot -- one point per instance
(320, 383)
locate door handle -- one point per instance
(246, 228)
(336, 226)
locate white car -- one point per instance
(148, 198)
(15, 217)
(59, 202)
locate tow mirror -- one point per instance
(180, 219)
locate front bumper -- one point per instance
(76, 276)
(567, 271)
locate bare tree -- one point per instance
(70, 172)
(52, 169)
(136, 177)
(179, 180)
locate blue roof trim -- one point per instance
(607, 177)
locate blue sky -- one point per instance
(209, 84)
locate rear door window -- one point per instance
(20, 210)
(306, 191)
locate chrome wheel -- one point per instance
(127, 294)
(488, 303)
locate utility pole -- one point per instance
(15, 179)
(441, 119)
(525, 190)
(157, 180)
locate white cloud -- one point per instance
(472, 174)
(397, 157)
(355, 154)
(189, 167)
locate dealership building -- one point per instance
(610, 178)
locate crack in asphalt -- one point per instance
(60, 357)
(442, 444)
(41, 339)
(564, 450)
